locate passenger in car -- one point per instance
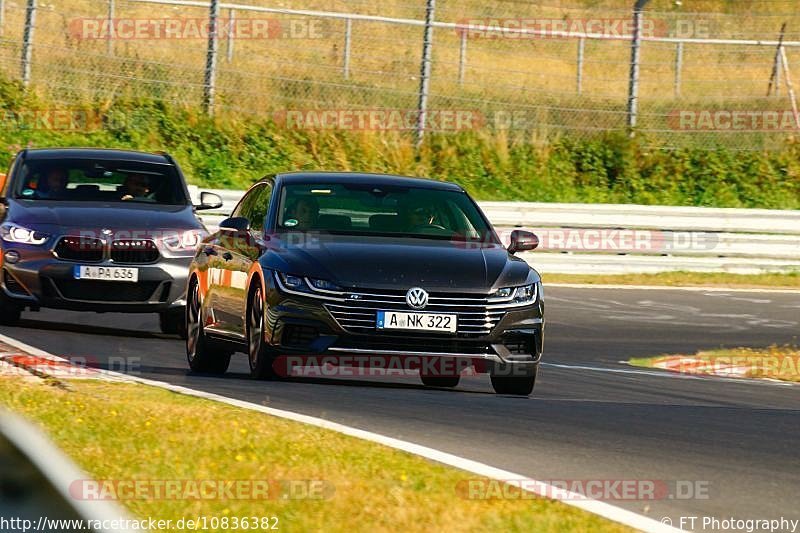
(137, 188)
(303, 214)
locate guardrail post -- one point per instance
(229, 41)
(678, 68)
(110, 20)
(633, 82)
(209, 80)
(348, 37)
(425, 72)
(27, 42)
(581, 52)
(462, 58)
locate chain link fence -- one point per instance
(529, 70)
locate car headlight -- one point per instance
(188, 240)
(516, 295)
(310, 285)
(11, 232)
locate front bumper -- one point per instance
(40, 279)
(313, 325)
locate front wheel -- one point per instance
(258, 353)
(202, 355)
(517, 385)
(10, 311)
(173, 322)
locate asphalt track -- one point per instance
(590, 418)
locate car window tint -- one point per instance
(410, 211)
(94, 180)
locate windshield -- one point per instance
(380, 210)
(94, 180)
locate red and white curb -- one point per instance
(539, 488)
(696, 365)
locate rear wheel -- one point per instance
(202, 354)
(259, 354)
(440, 381)
(173, 321)
(10, 311)
(515, 385)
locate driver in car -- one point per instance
(417, 217)
(137, 188)
(53, 184)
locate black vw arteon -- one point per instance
(351, 269)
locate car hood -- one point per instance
(56, 216)
(401, 263)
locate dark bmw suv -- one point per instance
(341, 265)
(97, 230)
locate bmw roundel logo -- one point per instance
(417, 298)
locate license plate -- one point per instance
(417, 321)
(107, 273)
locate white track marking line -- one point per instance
(667, 288)
(605, 510)
(670, 375)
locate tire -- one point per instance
(203, 356)
(515, 385)
(259, 355)
(10, 311)
(440, 381)
(173, 322)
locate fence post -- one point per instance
(462, 58)
(678, 68)
(211, 58)
(633, 83)
(2, 15)
(581, 52)
(110, 20)
(229, 41)
(27, 42)
(425, 72)
(348, 36)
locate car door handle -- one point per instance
(210, 251)
(227, 256)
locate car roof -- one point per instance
(364, 178)
(41, 154)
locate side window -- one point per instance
(254, 206)
(245, 207)
(260, 207)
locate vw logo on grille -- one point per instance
(417, 298)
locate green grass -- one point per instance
(233, 152)
(135, 432)
(789, 280)
(775, 362)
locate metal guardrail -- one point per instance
(674, 238)
(40, 478)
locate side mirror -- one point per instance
(209, 200)
(235, 225)
(522, 241)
